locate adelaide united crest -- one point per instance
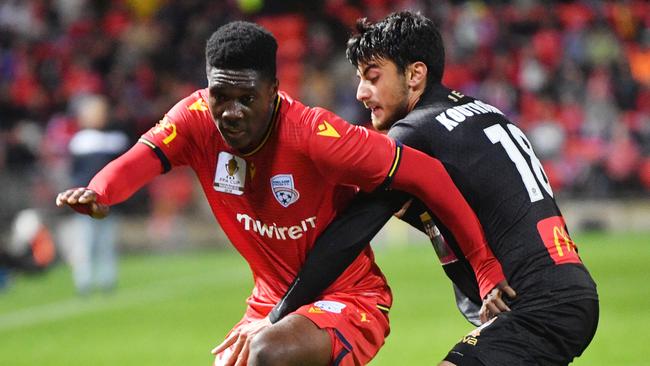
(284, 190)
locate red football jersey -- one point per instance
(275, 201)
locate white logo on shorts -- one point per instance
(330, 306)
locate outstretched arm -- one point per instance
(116, 182)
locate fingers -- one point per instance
(225, 344)
(76, 196)
(403, 210)
(493, 303)
(509, 291)
(236, 353)
(483, 316)
(243, 355)
(239, 340)
(505, 287)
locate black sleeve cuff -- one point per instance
(166, 165)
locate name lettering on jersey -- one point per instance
(273, 231)
(283, 189)
(199, 105)
(452, 117)
(455, 95)
(230, 175)
(167, 127)
(327, 130)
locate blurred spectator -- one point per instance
(570, 72)
(93, 252)
(28, 247)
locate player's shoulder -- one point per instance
(300, 116)
(195, 103)
(449, 110)
(292, 109)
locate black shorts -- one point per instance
(548, 336)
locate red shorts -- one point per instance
(357, 326)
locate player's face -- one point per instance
(383, 89)
(241, 103)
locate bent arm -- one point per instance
(338, 246)
(438, 192)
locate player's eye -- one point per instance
(247, 99)
(218, 97)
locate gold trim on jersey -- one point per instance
(270, 130)
(147, 142)
(383, 308)
(398, 156)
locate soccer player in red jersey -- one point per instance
(275, 173)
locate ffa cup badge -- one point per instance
(230, 174)
(284, 190)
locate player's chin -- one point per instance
(380, 124)
(237, 141)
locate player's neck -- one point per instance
(414, 98)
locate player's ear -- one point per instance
(416, 74)
(273, 87)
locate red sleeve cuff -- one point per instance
(488, 274)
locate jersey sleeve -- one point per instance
(122, 177)
(427, 179)
(171, 139)
(347, 154)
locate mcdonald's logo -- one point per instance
(560, 234)
(560, 246)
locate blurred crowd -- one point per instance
(574, 75)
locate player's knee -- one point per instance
(294, 341)
(271, 349)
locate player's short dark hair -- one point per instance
(242, 45)
(402, 37)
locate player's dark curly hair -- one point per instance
(242, 45)
(402, 37)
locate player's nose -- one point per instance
(232, 113)
(363, 92)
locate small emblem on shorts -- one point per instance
(315, 310)
(477, 332)
(284, 190)
(472, 341)
(330, 306)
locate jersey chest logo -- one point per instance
(230, 174)
(284, 190)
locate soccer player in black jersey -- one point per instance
(400, 62)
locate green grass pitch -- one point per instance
(172, 309)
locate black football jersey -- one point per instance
(493, 165)
(495, 168)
